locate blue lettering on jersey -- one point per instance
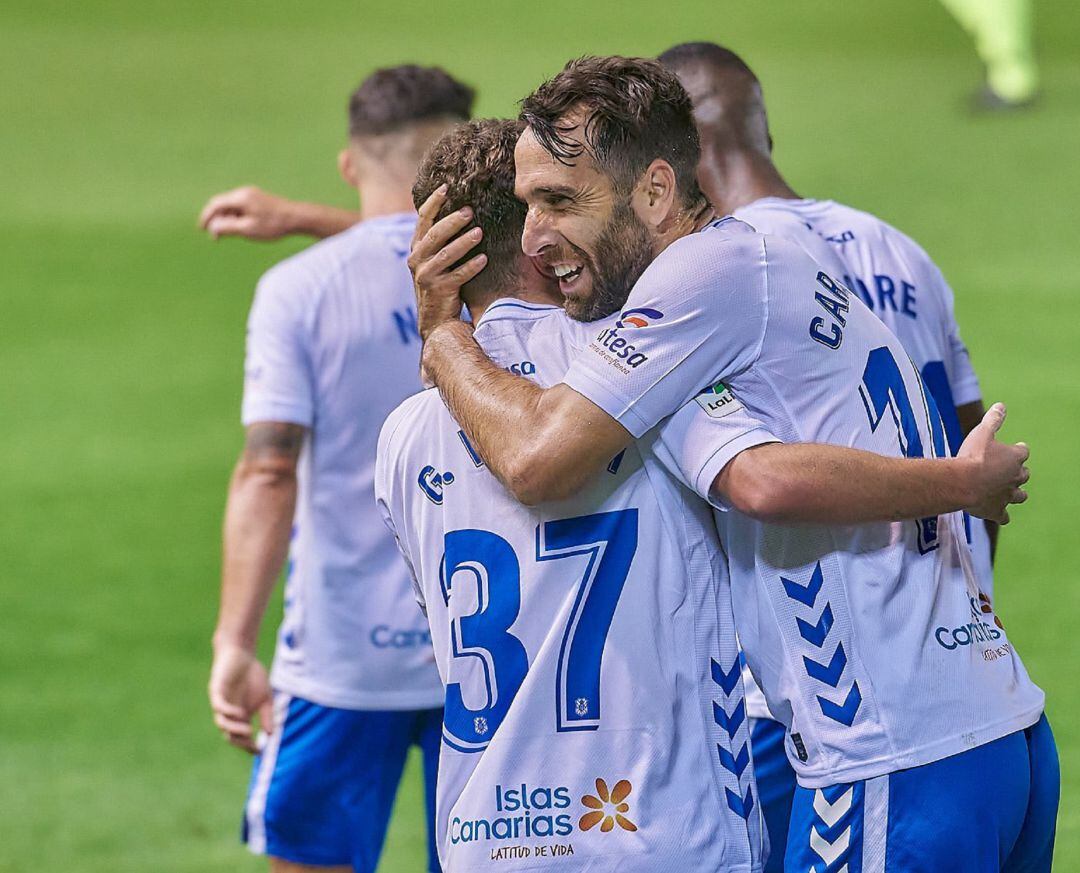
(523, 368)
(836, 305)
(383, 636)
(405, 322)
(884, 296)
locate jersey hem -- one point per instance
(723, 456)
(921, 755)
(335, 699)
(300, 415)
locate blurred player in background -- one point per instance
(888, 270)
(1002, 31)
(332, 348)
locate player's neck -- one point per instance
(377, 199)
(531, 286)
(736, 178)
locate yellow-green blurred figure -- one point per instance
(1002, 30)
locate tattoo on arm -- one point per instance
(273, 441)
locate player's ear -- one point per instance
(346, 164)
(654, 197)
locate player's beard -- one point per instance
(627, 251)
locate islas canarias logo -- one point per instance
(642, 317)
(607, 808)
(529, 811)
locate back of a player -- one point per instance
(332, 346)
(592, 685)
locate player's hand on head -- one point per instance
(248, 212)
(239, 688)
(437, 247)
(999, 469)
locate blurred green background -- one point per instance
(122, 331)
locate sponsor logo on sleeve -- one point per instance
(616, 349)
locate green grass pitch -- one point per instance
(122, 328)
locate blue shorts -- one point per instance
(776, 785)
(990, 809)
(323, 787)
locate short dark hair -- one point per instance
(476, 161)
(637, 112)
(743, 122)
(719, 58)
(395, 97)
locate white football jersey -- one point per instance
(332, 345)
(894, 277)
(594, 713)
(870, 642)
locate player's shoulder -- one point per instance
(873, 230)
(368, 249)
(409, 418)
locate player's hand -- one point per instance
(249, 212)
(999, 469)
(436, 249)
(239, 688)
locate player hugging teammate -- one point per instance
(665, 444)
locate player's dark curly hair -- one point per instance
(636, 112)
(476, 161)
(394, 97)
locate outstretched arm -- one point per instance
(252, 213)
(821, 484)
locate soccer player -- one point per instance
(889, 271)
(331, 349)
(895, 680)
(511, 623)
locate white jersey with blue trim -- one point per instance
(594, 714)
(870, 642)
(895, 277)
(332, 345)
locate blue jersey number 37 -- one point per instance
(487, 562)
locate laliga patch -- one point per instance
(717, 401)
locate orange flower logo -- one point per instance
(606, 808)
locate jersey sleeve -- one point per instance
(388, 494)
(963, 381)
(696, 316)
(698, 441)
(278, 373)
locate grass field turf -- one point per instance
(122, 331)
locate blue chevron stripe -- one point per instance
(735, 763)
(815, 633)
(729, 680)
(831, 673)
(730, 723)
(741, 806)
(845, 712)
(807, 594)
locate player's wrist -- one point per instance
(964, 481)
(444, 341)
(228, 640)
